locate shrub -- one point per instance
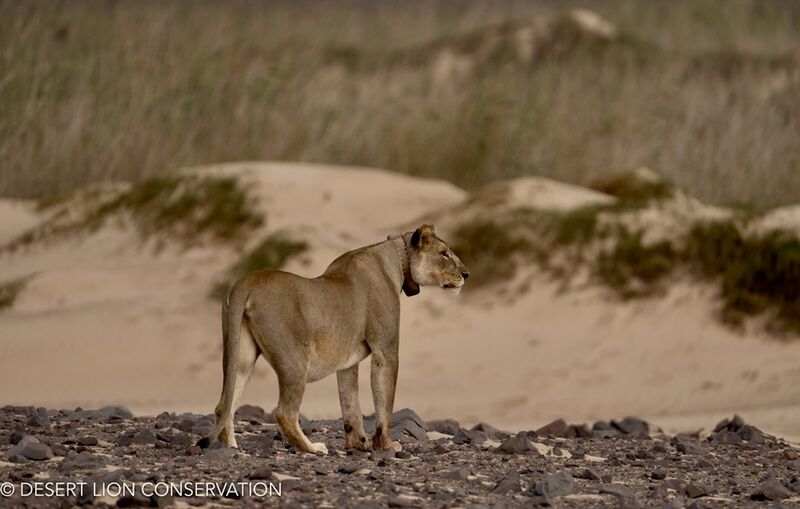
(9, 290)
(186, 207)
(489, 249)
(633, 269)
(757, 274)
(271, 253)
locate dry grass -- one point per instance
(701, 90)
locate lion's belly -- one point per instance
(328, 356)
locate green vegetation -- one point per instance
(633, 269)
(10, 289)
(703, 90)
(186, 207)
(271, 253)
(489, 249)
(757, 274)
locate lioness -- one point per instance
(309, 328)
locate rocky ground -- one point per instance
(143, 461)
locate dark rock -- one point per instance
(176, 439)
(406, 423)
(381, 454)
(586, 473)
(510, 483)
(556, 485)
(137, 500)
(448, 426)
(686, 446)
(659, 474)
(156, 501)
(578, 431)
(459, 474)
(726, 437)
(253, 414)
(406, 429)
(261, 473)
(350, 468)
(144, 437)
(557, 428)
(540, 501)
(469, 437)
(602, 429)
(696, 491)
(794, 465)
(59, 450)
(15, 437)
(631, 425)
(397, 501)
(618, 490)
(486, 428)
(38, 420)
(319, 470)
(30, 448)
(87, 440)
(192, 450)
(771, 489)
(115, 412)
(518, 444)
(220, 453)
(85, 497)
(202, 428)
(402, 455)
(124, 440)
(81, 460)
(732, 424)
(751, 434)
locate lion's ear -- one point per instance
(422, 236)
(410, 287)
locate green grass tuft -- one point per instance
(187, 208)
(489, 249)
(757, 274)
(633, 269)
(272, 253)
(9, 290)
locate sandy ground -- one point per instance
(108, 319)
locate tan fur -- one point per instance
(308, 329)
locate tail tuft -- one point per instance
(203, 443)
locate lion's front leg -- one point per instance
(384, 381)
(354, 435)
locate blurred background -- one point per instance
(704, 91)
(622, 178)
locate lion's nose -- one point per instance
(465, 274)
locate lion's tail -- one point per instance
(232, 313)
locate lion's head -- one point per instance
(432, 262)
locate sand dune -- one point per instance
(107, 318)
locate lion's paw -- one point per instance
(319, 448)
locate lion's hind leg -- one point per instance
(292, 387)
(352, 418)
(247, 355)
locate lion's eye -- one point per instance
(446, 254)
